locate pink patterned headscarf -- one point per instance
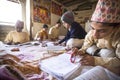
(107, 11)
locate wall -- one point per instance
(23, 4)
(37, 26)
(4, 29)
(82, 17)
(54, 18)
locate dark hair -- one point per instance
(111, 24)
(108, 24)
(58, 22)
(45, 26)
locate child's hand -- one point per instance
(87, 60)
(55, 43)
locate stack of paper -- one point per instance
(96, 73)
(56, 49)
(60, 66)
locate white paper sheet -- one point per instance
(51, 48)
(59, 66)
(96, 73)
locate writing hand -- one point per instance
(77, 51)
(73, 54)
(55, 43)
(87, 60)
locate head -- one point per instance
(45, 27)
(102, 30)
(67, 19)
(19, 26)
(105, 18)
(58, 24)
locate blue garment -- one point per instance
(76, 31)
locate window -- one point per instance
(10, 12)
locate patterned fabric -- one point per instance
(30, 69)
(24, 67)
(10, 73)
(107, 11)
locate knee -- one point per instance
(74, 43)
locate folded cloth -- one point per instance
(8, 72)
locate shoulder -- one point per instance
(90, 33)
(76, 25)
(116, 36)
(12, 32)
(38, 32)
(52, 28)
(25, 33)
(41, 31)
